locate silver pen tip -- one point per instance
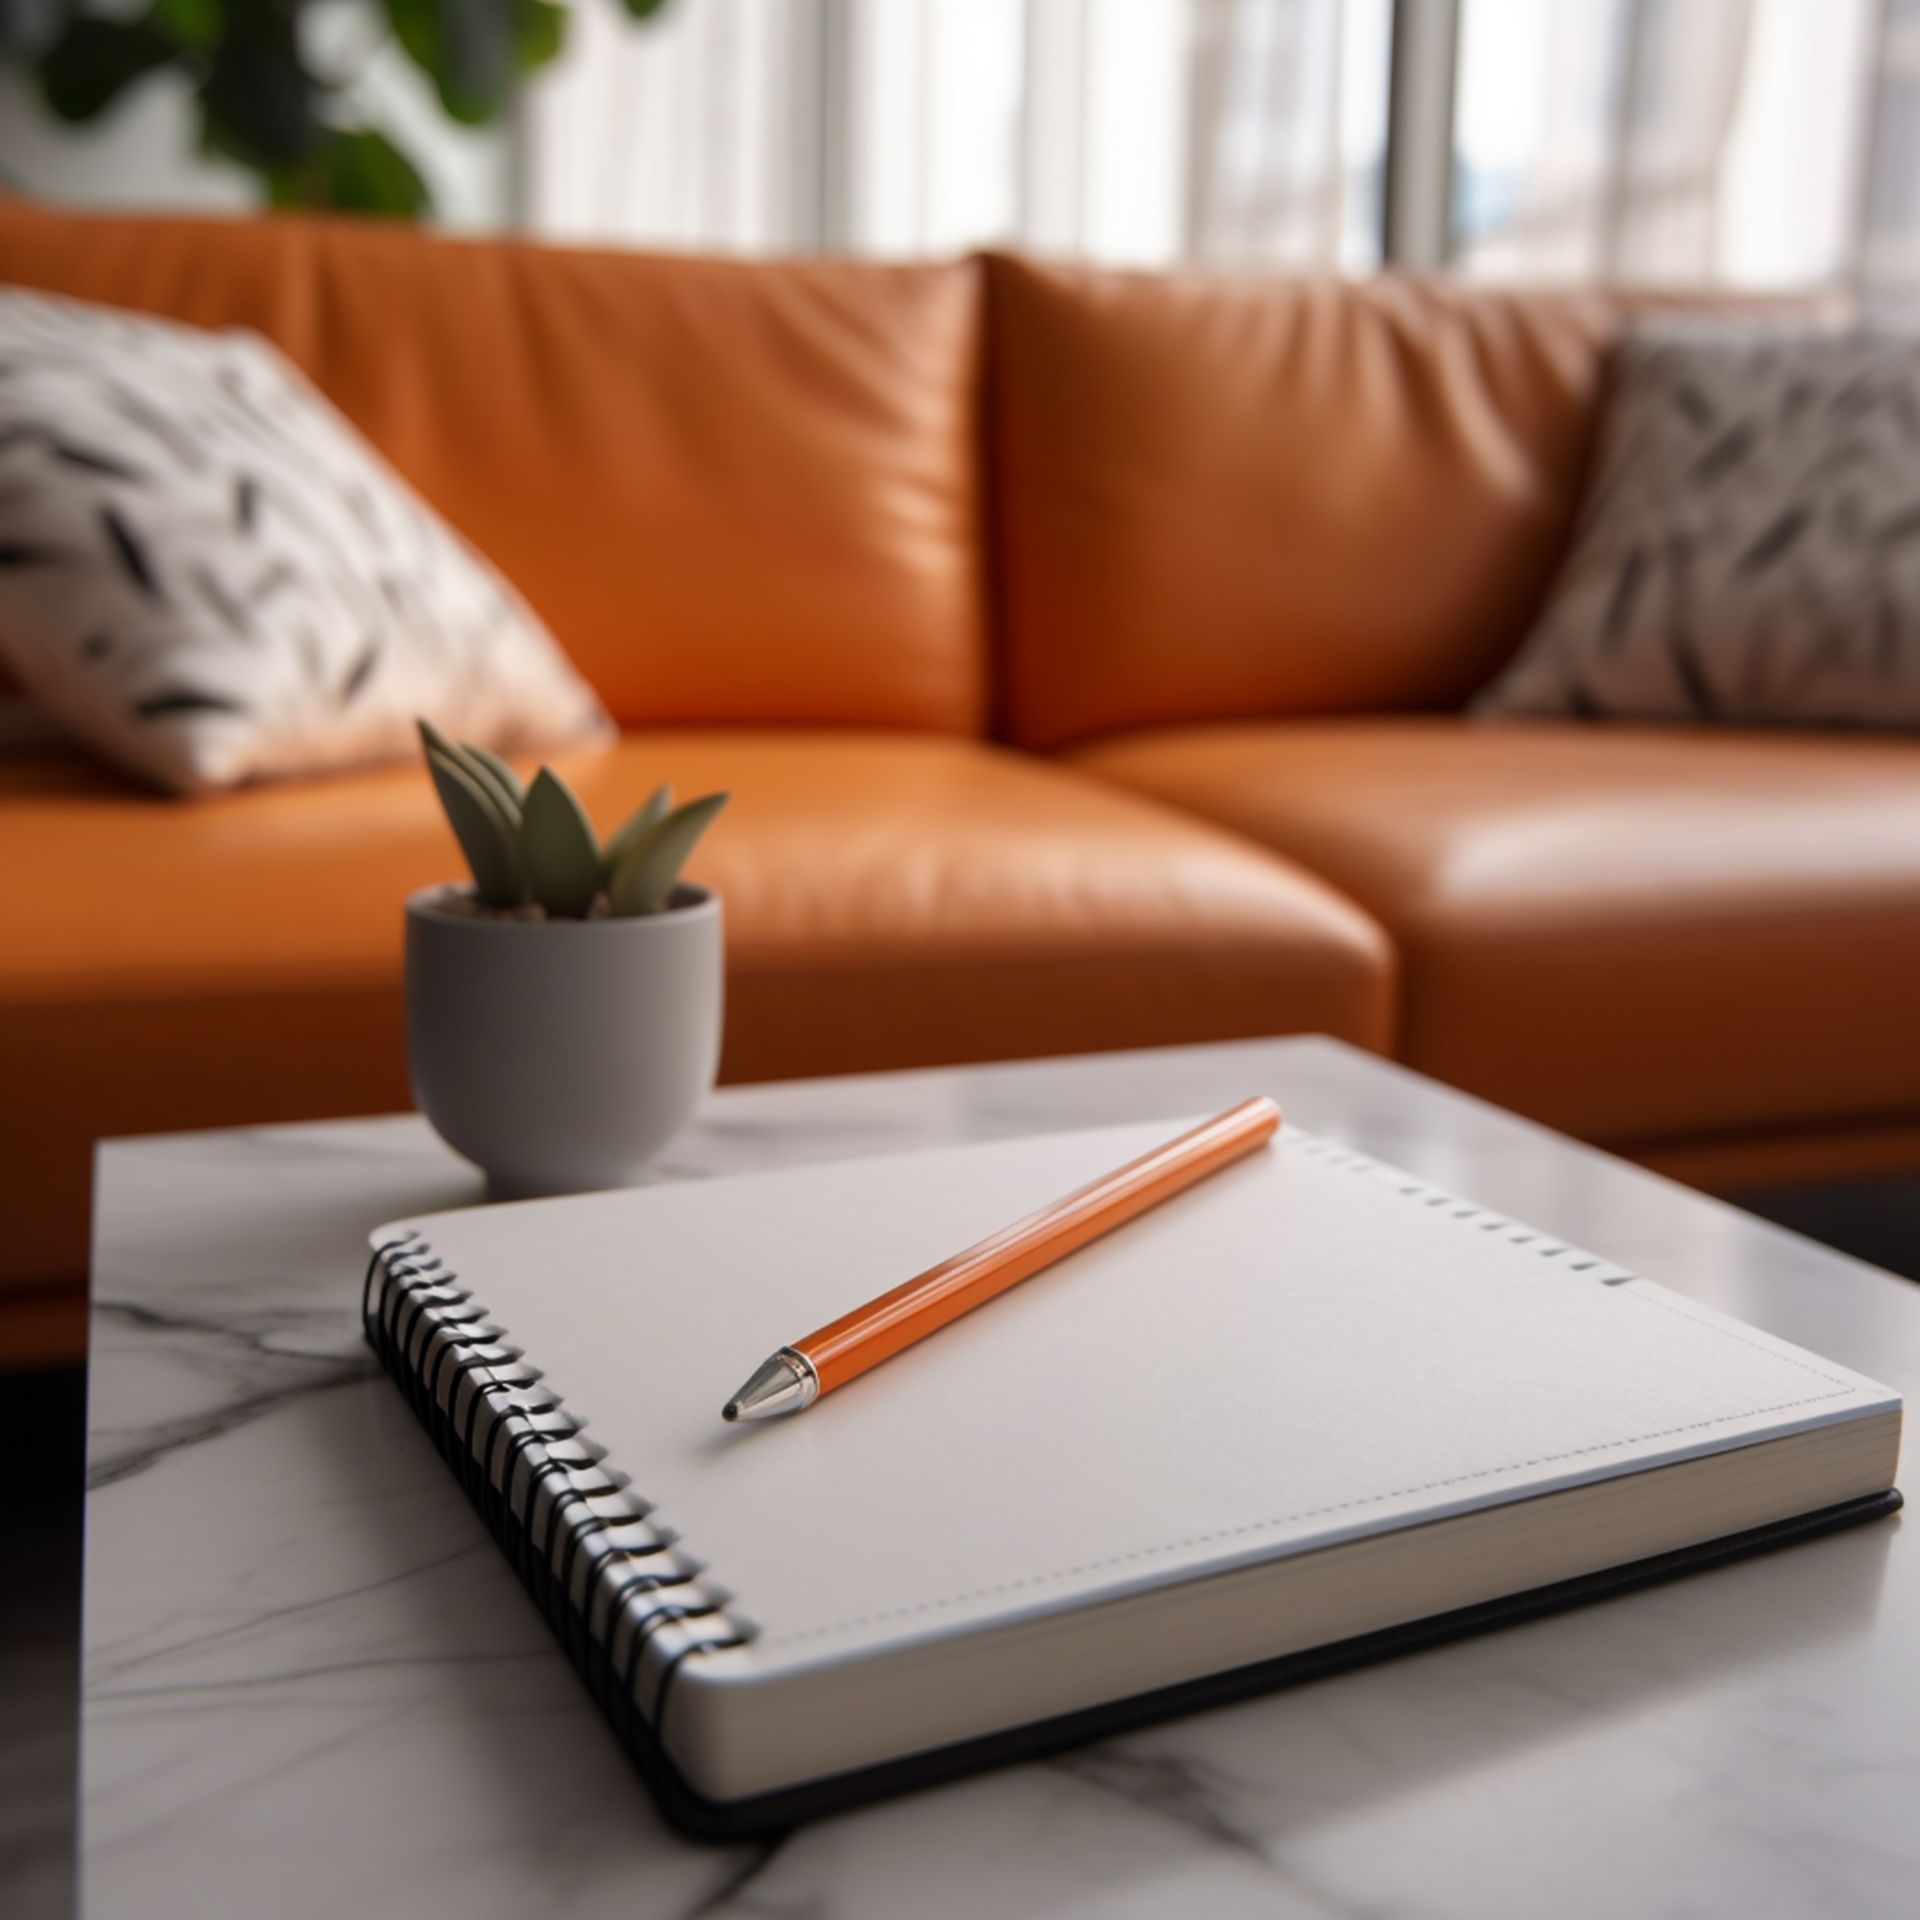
(783, 1383)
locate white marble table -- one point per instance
(312, 1687)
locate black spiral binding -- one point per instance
(541, 1490)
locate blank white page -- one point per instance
(1305, 1348)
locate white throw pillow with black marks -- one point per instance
(209, 576)
(1749, 547)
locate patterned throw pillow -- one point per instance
(207, 575)
(1749, 550)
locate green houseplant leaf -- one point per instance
(558, 850)
(94, 61)
(504, 776)
(646, 817)
(190, 23)
(537, 842)
(496, 779)
(296, 128)
(646, 877)
(539, 32)
(467, 48)
(258, 103)
(491, 774)
(434, 741)
(360, 171)
(484, 836)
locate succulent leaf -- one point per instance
(647, 876)
(504, 776)
(432, 740)
(506, 814)
(496, 779)
(558, 848)
(505, 793)
(484, 835)
(646, 817)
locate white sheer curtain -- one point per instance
(700, 130)
(1142, 131)
(1749, 143)
(1289, 133)
(1711, 141)
(1890, 245)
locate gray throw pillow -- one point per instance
(207, 575)
(1749, 548)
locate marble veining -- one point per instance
(312, 1687)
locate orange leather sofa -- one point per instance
(1086, 653)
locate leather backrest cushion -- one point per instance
(1226, 497)
(737, 492)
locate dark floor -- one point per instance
(1877, 1221)
(42, 1435)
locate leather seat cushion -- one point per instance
(739, 492)
(892, 900)
(1637, 935)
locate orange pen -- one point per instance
(796, 1376)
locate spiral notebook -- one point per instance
(1312, 1411)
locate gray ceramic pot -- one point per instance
(560, 1055)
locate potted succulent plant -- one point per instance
(563, 1012)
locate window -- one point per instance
(1745, 143)
(1245, 132)
(1643, 141)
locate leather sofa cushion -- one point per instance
(892, 900)
(1233, 496)
(1220, 497)
(1637, 935)
(738, 492)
